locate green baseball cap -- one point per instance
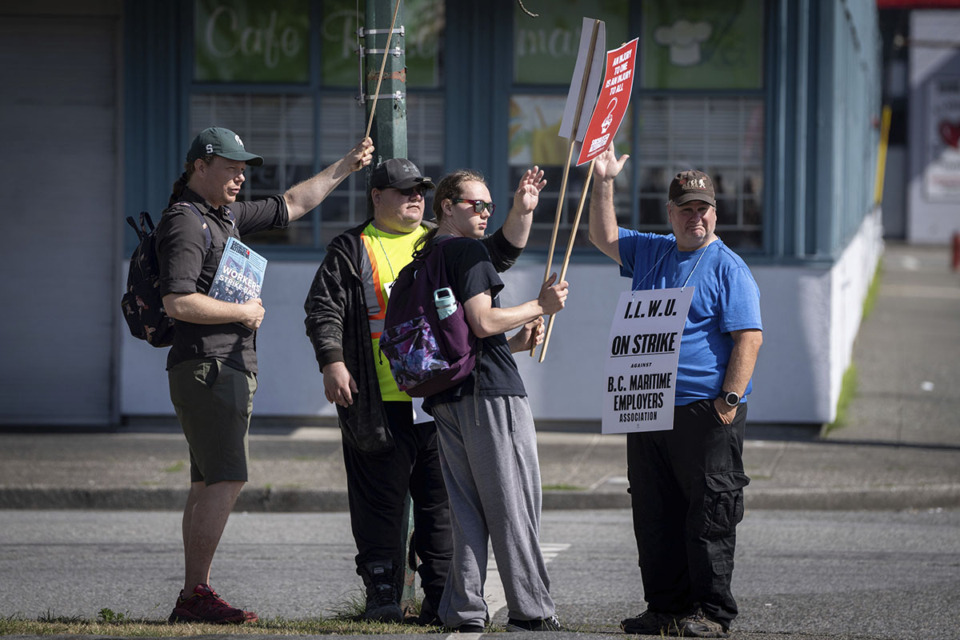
(221, 142)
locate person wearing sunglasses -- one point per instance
(387, 451)
(488, 444)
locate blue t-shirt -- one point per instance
(726, 298)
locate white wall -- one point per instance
(810, 316)
(59, 109)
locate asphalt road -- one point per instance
(800, 574)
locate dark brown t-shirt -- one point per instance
(187, 266)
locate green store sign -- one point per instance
(243, 41)
(247, 41)
(702, 44)
(545, 48)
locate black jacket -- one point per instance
(338, 326)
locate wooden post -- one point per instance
(566, 257)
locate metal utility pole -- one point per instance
(385, 97)
(385, 49)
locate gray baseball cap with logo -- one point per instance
(221, 142)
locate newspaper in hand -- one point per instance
(240, 275)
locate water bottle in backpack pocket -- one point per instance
(445, 302)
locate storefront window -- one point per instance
(279, 128)
(544, 57)
(299, 132)
(347, 206)
(693, 45)
(720, 136)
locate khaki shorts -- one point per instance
(213, 402)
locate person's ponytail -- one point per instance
(177, 190)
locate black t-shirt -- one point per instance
(187, 266)
(471, 272)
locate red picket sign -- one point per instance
(612, 103)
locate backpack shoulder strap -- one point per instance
(203, 221)
(436, 264)
(145, 227)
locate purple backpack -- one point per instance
(425, 336)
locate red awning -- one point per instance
(918, 4)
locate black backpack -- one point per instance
(142, 304)
(425, 335)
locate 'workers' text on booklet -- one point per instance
(240, 275)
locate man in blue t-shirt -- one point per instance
(687, 484)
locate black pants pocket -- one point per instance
(723, 502)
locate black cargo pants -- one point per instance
(377, 486)
(686, 490)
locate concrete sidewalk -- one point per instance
(900, 448)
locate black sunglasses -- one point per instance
(409, 191)
(478, 205)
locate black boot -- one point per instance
(428, 611)
(383, 605)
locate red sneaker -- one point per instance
(204, 605)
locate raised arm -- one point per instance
(306, 195)
(604, 232)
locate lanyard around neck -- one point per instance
(689, 275)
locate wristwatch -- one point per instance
(731, 398)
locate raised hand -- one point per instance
(527, 196)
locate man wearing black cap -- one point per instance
(386, 455)
(212, 364)
(686, 484)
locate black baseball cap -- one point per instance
(221, 142)
(398, 173)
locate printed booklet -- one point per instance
(240, 275)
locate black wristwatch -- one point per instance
(731, 398)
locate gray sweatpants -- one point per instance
(488, 453)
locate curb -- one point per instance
(944, 496)
(929, 496)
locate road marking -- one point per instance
(910, 263)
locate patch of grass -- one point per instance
(562, 487)
(848, 391)
(176, 467)
(850, 382)
(351, 606)
(52, 625)
(873, 291)
(345, 620)
(110, 616)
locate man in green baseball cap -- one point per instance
(217, 141)
(212, 363)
